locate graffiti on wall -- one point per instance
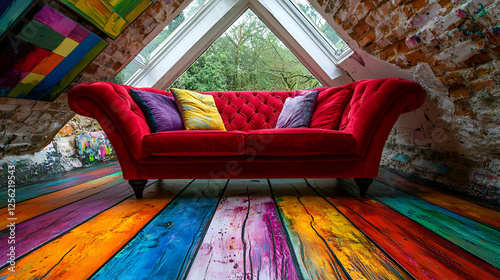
(61, 155)
(93, 146)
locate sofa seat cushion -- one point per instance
(195, 143)
(298, 142)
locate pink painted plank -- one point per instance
(246, 239)
(37, 231)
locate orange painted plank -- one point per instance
(420, 251)
(82, 251)
(460, 206)
(37, 206)
(327, 245)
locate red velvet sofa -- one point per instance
(251, 147)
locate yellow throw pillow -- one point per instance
(198, 110)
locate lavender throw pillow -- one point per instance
(297, 111)
(161, 111)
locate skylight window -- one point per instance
(152, 49)
(247, 56)
(154, 46)
(321, 25)
(162, 62)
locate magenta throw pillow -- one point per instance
(161, 111)
(297, 111)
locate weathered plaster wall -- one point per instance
(27, 126)
(452, 48)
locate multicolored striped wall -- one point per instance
(43, 53)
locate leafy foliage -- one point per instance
(321, 24)
(248, 56)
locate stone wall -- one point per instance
(81, 142)
(27, 126)
(452, 48)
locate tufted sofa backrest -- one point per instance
(250, 110)
(374, 106)
(245, 110)
(371, 101)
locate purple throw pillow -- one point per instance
(297, 111)
(161, 111)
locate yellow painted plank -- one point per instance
(80, 252)
(327, 245)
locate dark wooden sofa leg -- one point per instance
(138, 187)
(363, 184)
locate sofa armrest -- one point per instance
(375, 107)
(119, 116)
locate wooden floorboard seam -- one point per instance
(367, 236)
(297, 228)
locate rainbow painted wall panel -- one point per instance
(43, 53)
(111, 16)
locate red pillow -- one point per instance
(330, 106)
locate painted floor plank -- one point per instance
(67, 180)
(79, 252)
(34, 207)
(424, 254)
(166, 246)
(477, 238)
(460, 206)
(246, 239)
(82, 251)
(37, 231)
(325, 241)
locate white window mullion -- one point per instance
(163, 65)
(309, 39)
(281, 16)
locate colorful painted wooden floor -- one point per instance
(87, 225)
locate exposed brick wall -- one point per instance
(27, 126)
(458, 142)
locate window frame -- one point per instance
(214, 17)
(344, 53)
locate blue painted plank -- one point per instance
(68, 180)
(166, 246)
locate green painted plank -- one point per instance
(477, 238)
(424, 254)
